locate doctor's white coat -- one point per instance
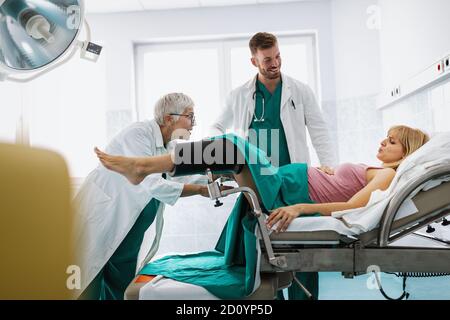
(299, 109)
(108, 205)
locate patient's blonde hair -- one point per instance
(411, 140)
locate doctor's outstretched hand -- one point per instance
(205, 193)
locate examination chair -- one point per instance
(35, 224)
(284, 254)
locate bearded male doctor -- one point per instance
(274, 110)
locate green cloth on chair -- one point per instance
(229, 272)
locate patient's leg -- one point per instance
(137, 168)
(245, 179)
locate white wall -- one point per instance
(414, 34)
(120, 31)
(351, 61)
(357, 81)
(356, 49)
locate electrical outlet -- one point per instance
(439, 67)
(437, 71)
(395, 92)
(447, 64)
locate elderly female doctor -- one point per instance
(113, 215)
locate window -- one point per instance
(193, 70)
(67, 112)
(206, 71)
(64, 111)
(10, 111)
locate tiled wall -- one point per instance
(414, 111)
(359, 129)
(440, 107)
(360, 125)
(330, 116)
(428, 110)
(116, 121)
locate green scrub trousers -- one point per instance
(272, 120)
(112, 281)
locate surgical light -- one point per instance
(37, 36)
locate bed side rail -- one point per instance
(386, 231)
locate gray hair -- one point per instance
(171, 103)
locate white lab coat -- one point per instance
(240, 107)
(108, 205)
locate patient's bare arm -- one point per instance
(284, 216)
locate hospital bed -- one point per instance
(284, 254)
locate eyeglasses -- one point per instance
(191, 116)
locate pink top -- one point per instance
(347, 180)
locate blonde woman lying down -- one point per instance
(348, 186)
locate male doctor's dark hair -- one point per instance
(262, 40)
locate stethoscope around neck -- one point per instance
(255, 95)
